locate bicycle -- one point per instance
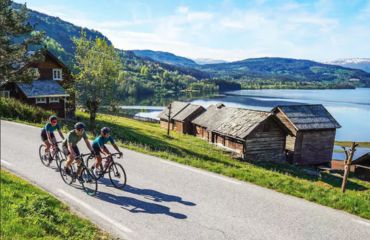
(55, 154)
(117, 174)
(86, 179)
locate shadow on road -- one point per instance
(150, 194)
(137, 206)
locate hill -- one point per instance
(285, 69)
(356, 63)
(165, 57)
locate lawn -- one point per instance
(28, 212)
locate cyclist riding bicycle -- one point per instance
(47, 134)
(99, 147)
(70, 148)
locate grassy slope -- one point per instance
(30, 213)
(325, 189)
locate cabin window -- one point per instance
(40, 100)
(57, 74)
(5, 93)
(54, 100)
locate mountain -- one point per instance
(59, 34)
(165, 57)
(284, 69)
(356, 63)
(203, 61)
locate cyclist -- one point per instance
(70, 148)
(47, 134)
(99, 147)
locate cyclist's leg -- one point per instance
(69, 156)
(44, 138)
(97, 157)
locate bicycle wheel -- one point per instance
(90, 161)
(89, 183)
(117, 175)
(58, 159)
(67, 177)
(44, 159)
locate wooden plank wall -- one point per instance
(266, 143)
(314, 147)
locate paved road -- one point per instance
(165, 200)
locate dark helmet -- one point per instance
(52, 118)
(105, 130)
(79, 126)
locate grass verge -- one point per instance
(27, 212)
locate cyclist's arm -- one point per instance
(51, 140)
(88, 144)
(116, 147)
(104, 149)
(60, 133)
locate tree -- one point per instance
(17, 37)
(98, 67)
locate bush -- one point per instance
(14, 109)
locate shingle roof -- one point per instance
(176, 107)
(42, 88)
(307, 117)
(186, 112)
(234, 122)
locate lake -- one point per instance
(350, 107)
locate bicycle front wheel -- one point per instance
(89, 182)
(67, 175)
(117, 175)
(44, 159)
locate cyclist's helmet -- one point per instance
(52, 118)
(105, 130)
(79, 126)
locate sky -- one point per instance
(228, 30)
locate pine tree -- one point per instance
(16, 37)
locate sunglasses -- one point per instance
(81, 130)
(54, 122)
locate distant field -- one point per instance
(30, 213)
(348, 144)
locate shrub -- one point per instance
(14, 109)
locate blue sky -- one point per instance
(230, 30)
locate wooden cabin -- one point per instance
(49, 90)
(251, 135)
(311, 131)
(181, 115)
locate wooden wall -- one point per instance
(266, 143)
(314, 147)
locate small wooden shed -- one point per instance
(311, 133)
(250, 134)
(362, 167)
(181, 116)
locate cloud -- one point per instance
(311, 30)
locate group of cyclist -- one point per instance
(69, 144)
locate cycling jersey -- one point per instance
(100, 141)
(73, 138)
(48, 127)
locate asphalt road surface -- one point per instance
(166, 200)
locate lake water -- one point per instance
(350, 107)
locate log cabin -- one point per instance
(251, 135)
(49, 91)
(181, 116)
(311, 133)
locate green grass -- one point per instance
(348, 144)
(323, 189)
(151, 139)
(30, 213)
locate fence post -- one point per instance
(347, 164)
